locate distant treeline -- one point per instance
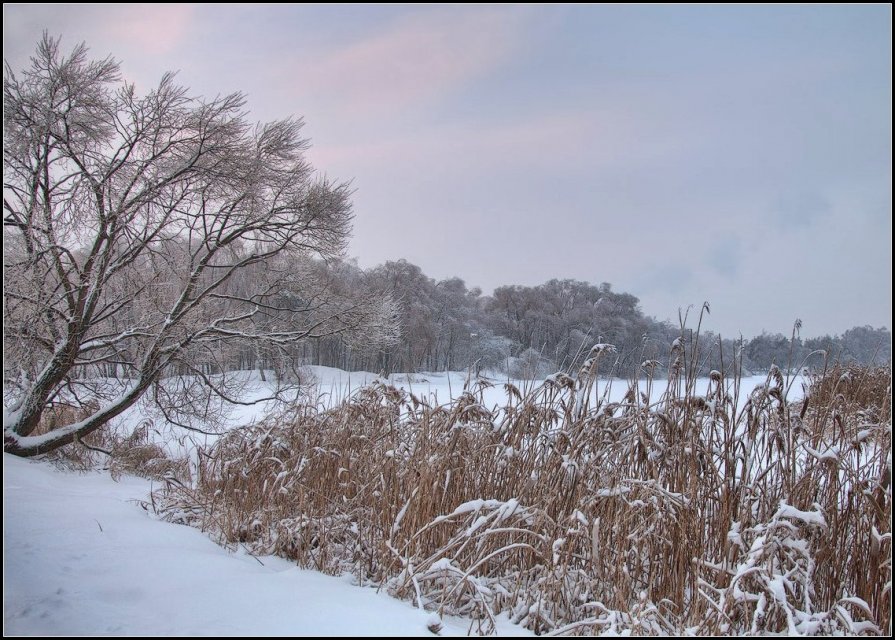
(534, 331)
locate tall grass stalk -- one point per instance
(682, 513)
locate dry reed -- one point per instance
(136, 453)
(674, 514)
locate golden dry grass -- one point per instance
(122, 454)
(674, 514)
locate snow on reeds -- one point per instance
(673, 513)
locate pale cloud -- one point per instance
(800, 209)
(154, 29)
(601, 138)
(416, 60)
(668, 277)
(539, 140)
(725, 256)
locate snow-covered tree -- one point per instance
(150, 235)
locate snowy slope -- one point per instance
(81, 557)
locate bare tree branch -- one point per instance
(143, 232)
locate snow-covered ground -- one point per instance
(82, 557)
(334, 385)
(329, 386)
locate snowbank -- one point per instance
(82, 557)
